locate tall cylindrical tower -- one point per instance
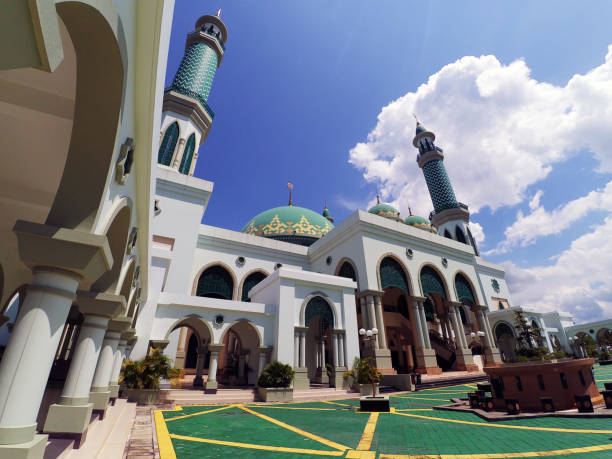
(449, 216)
(187, 118)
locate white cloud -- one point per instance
(477, 232)
(539, 222)
(501, 131)
(579, 281)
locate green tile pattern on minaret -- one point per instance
(197, 71)
(440, 188)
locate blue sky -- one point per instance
(303, 84)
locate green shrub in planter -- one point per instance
(146, 373)
(276, 375)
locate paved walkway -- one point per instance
(337, 428)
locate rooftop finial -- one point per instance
(290, 186)
(219, 13)
(377, 199)
(415, 117)
(410, 211)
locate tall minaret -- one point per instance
(186, 117)
(449, 216)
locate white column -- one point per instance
(318, 354)
(364, 315)
(323, 354)
(382, 335)
(198, 381)
(119, 356)
(83, 364)
(482, 323)
(453, 316)
(417, 325)
(341, 350)
(302, 349)
(464, 344)
(105, 362)
(335, 359)
(262, 360)
(372, 315)
(212, 367)
(296, 349)
(194, 160)
(28, 358)
(178, 154)
(424, 325)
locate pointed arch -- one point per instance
(199, 326)
(185, 166)
(432, 282)
(392, 273)
(447, 234)
(216, 282)
(459, 235)
(168, 144)
(249, 281)
(464, 289)
(126, 278)
(346, 268)
(318, 297)
(245, 322)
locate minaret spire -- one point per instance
(290, 186)
(449, 216)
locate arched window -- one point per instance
(318, 307)
(215, 282)
(464, 290)
(459, 235)
(502, 329)
(431, 282)
(462, 314)
(392, 275)
(187, 155)
(472, 241)
(251, 281)
(447, 234)
(166, 149)
(346, 270)
(429, 309)
(501, 306)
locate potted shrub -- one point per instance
(141, 378)
(274, 383)
(366, 376)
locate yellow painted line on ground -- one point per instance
(340, 404)
(471, 385)
(502, 426)
(425, 398)
(443, 387)
(199, 413)
(414, 409)
(166, 450)
(558, 452)
(324, 441)
(292, 408)
(368, 433)
(281, 449)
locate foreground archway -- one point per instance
(319, 320)
(238, 361)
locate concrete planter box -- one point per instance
(366, 389)
(141, 396)
(275, 394)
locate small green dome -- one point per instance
(420, 222)
(384, 210)
(326, 212)
(289, 221)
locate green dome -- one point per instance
(384, 210)
(420, 128)
(289, 221)
(326, 212)
(419, 222)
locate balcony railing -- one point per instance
(193, 95)
(458, 205)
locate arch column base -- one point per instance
(33, 449)
(338, 377)
(465, 361)
(492, 357)
(382, 359)
(301, 380)
(427, 363)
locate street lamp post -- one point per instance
(370, 336)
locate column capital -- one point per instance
(300, 329)
(479, 307)
(158, 343)
(216, 347)
(86, 255)
(339, 331)
(418, 299)
(455, 303)
(128, 335)
(120, 324)
(100, 304)
(372, 293)
(264, 349)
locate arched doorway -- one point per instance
(192, 353)
(438, 318)
(319, 319)
(238, 361)
(506, 340)
(397, 316)
(466, 296)
(216, 282)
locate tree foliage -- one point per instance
(146, 373)
(276, 375)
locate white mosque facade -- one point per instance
(104, 256)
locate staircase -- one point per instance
(445, 353)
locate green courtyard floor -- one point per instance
(413, 429)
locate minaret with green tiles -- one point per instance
(450, 217)
(187, 117)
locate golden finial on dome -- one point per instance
(219, 13)
(377, 199)
(410, 211)
(290, 186)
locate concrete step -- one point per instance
(450, 381)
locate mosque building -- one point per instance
(104, 256)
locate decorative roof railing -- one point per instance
(458, 205)
(216, 37)
(189, 93)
